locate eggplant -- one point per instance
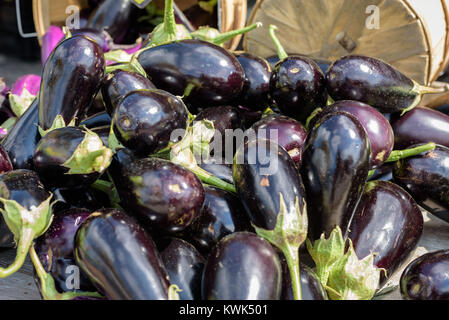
(50, 40)
(388, 223)
(242, 266)
(379, 130)
(158, 193)
(420, 125)
(118, 84)
(219, 168)
(70, 80)
(201, 72)
(290, 134)
(222, 214)
(426, 277)
(374, 82)
(335, 167)
(23, 138)
(323, 64)
(256, 90)
(55, 251)
(100, 119)
(184, 265)
(120, 258)
(426, 178)
(145, 120)
(23, 92)
(71, 156)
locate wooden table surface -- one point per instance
(21, 286)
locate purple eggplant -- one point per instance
(120, 258)
(144, 120)
(118, 84)
(380, 133)
(387, 222)
(23, 92)
(55, 251)
(426, 178)
(50, 40)
(323, 64)
(426, 277)
(374, 82)
(256, 90)
(97, 36)
(70, 157)
(71, 78)
(100, 119)
(420, 125)
(221, 215)
(335, 166)
(242, 266)
(184, 265)
(201, 72)
(218, 168)
(159, 193)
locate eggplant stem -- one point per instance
(425, 90)
(292, 256)
(223, 37)
(25, 241)
(169, 18)
(396, 155)
(212, 180)
(282, 54)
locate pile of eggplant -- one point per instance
(186, 171)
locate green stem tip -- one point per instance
(279, 48)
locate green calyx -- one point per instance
(120, 56)
(214, 36)
(113, 143)
(20, 104)
(173, 292)
(57, 124)
(342, 273)
(288, 235)
(208, 5)
(90, 156)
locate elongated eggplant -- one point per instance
(55, 251)
(159, 193)
(426, 278)
(70, 80)
(120, 258)
(420, 125)
(145, 120)
(375, 82)
(201, 72)
(335, 166)
(71, 156)
(23, 138)
(118, 84)
(184, 265)
(242, 266)
(388, 223)
(426, 178)
(222, 214)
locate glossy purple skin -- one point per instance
(161, 194)
(298, 86)
(219, 168)
(100, 119)
(184, 265)
(387, 222)
(118, 84)
(50, 40)
(420, 125)
(371, 81)
(31, 82)
(215, 74)
(256, 91)
(120, 258)
(55, 248)
(222, 214)
(78, 198)
(335, 166)
(70, 80)
(291, 134)
(5, 162)
(144, 120)
(426, 178)
(380, 133)
(242, 266)
(323, 64)
(426, 278)
(95, 35)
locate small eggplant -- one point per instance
(221, 214)
(118, 84)
(420, 125)
(23, 92)
(120, 258)
(145, 120)
(242, 266)
(387, 223)
(323, 64)
(335, 166)
(184, 265)
(374, 82)
(297, 84)
(71, 156)
(70, 80)
(426, 278)
(426, 178)
(201, 72)
(50, 40)
(97, 120)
